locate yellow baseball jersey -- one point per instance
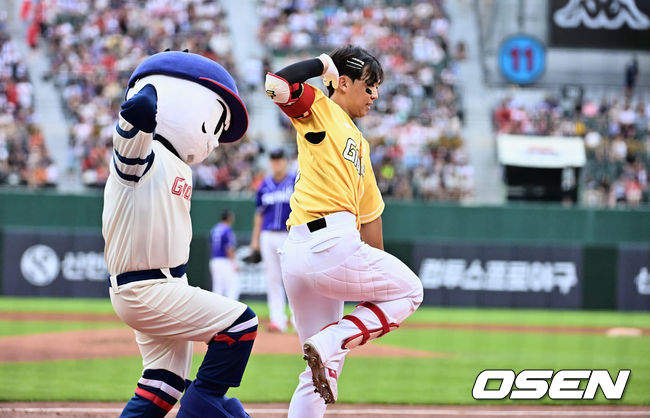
(335, 172)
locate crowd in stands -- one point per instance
(616, 135)
(233, 167)
(94, 47)
(415, 127)
(24, 158)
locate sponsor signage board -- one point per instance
(71, 264)
(500, 275)
(600, 24)
(633, 283)
(541, 151)
(53, 263)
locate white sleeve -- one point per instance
(132, 151)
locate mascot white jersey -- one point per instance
(179, 106)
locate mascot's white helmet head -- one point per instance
(198, 103)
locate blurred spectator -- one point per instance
(415, 127)
(95, 46)
(233, 168)
(616, 134)
(631, 75)
(461, 51)
(24, 159)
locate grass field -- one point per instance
(432, 380)
(9, 328)
(424, 314)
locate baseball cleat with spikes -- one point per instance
(324, 378)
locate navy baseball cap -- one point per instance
(203, 71)
(277, 154)
(227, 214)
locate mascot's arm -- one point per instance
(132, 152)
(287, 90)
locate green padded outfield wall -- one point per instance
(598, 231)
(403, 221)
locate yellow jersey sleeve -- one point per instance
(319, 104)
(371, 204)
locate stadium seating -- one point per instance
(615, 131)
(24, 158)
(94, 47)
(415, 130)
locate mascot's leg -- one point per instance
(166, 363)
(222, 368)
(156, 394)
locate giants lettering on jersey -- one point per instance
(181, 188)
(351, 153)
(278, 196)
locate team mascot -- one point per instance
(178, 107)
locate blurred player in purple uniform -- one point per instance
(223, 265)
(270, 232)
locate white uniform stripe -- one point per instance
(159, 384)
(381, 206)
(244, 325)
(278, 215)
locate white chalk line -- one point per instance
(487, 412)
(386, 412)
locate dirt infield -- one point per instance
(106, 410)
(120, 341)
(46, 316)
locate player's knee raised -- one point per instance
(417, 294)
(249, 317)
(246, 323)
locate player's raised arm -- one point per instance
(132, 153)
(286, 88)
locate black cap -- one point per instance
(227, 214)
(277, 154)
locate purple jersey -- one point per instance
(222, 238)
(273, 202)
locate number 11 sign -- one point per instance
(522, 59)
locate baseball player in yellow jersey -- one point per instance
(334, 251)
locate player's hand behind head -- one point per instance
(331, 74)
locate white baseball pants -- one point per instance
(225, 281)
(324, 268)
(167, 315)
(270, 242)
